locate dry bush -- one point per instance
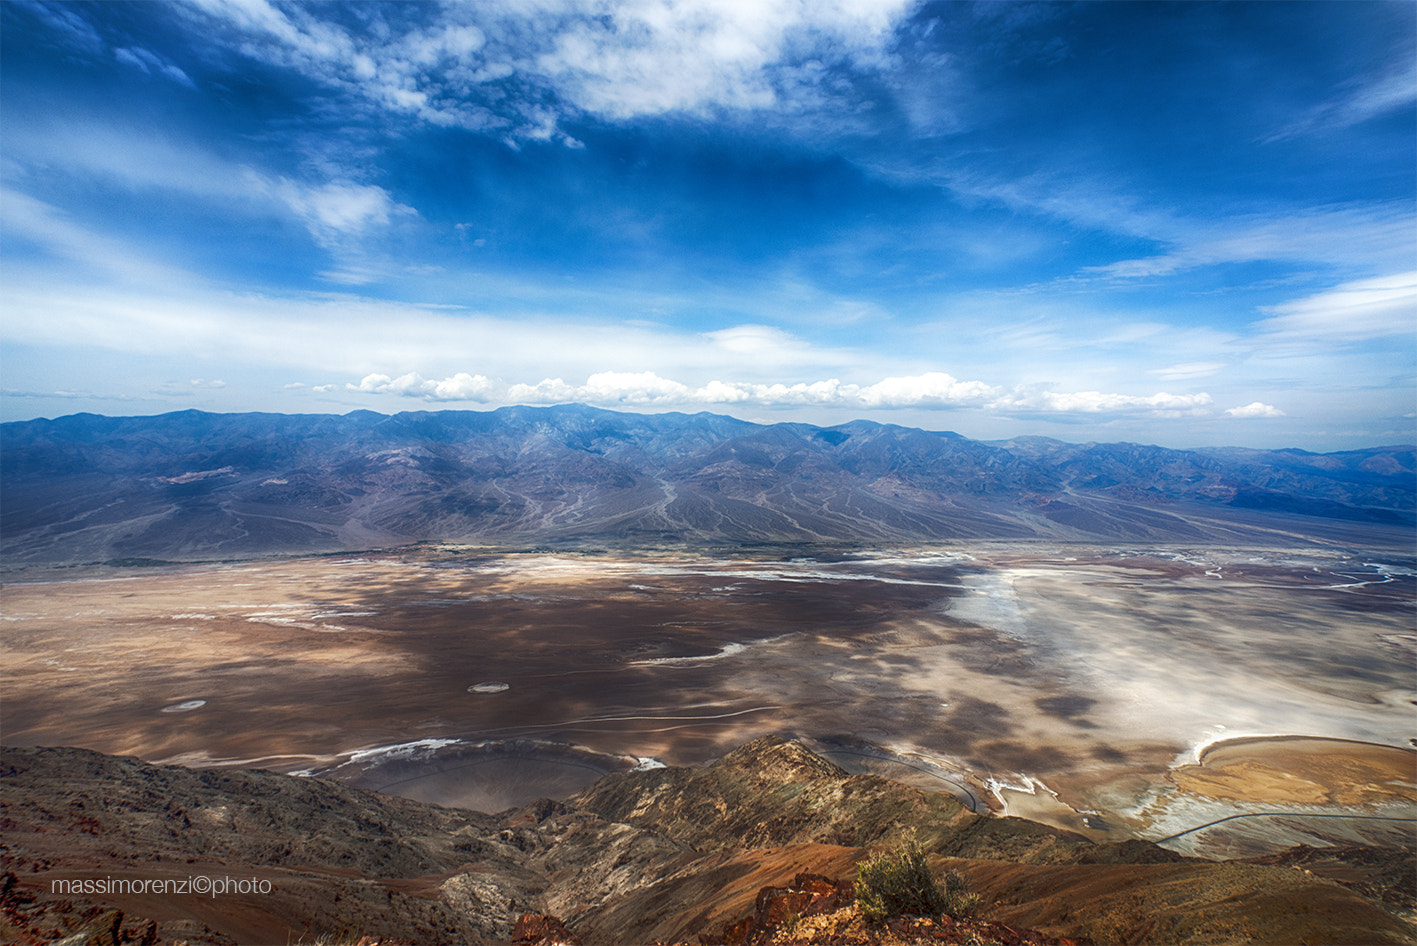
(899, 883)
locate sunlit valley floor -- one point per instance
(1114, 692)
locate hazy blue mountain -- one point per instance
(196, 485)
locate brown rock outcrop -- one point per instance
(819, 911)
(541, 929)
(779, 907)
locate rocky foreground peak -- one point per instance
(772, 759)
(664, 855)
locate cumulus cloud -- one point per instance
(459, 387)
(933, 388)
(641, 387)
(1255, 409)
(1354, 311)
(647, 389)
(1096, 402)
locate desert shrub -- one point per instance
(900, 882)
(959, 901)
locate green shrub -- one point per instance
(900, 883)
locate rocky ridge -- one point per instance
(664, 855)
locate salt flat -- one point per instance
(1070, 684)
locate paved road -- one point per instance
(1278, 814)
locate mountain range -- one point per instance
(193, 485)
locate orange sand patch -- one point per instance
(1303, 771)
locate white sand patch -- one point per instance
(729, 650)
(419, 749)
(992, 600)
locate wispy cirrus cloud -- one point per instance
(147, 61)
(1391, 89)
(58, 234)
(1188, 370)
(338, 213)
(1346, 237)
(67, 21)
(1364, 309)
(1350, 237)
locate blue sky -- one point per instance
(1184, 224)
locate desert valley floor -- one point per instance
(1115, 692)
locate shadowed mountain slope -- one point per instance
(192, 485)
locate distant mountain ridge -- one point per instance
(192, 485)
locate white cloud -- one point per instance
(459, 387)
(1255, 409)
(1392, 90)
(35, 221)
(334, 210)
(153, 64)
(639, 387)
(931, 389)
(549, 391)
(346, 335)
(614, 58)
(648, 57)
(66, 19)
(1096, 402)
(816, 393)
(463, 386)
(341, 206)
(1355, 237)
(1350, 236)
(647, 389)
(1365, 309)
(1188, 370)
(765, 346)
(144, 160)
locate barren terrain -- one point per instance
(1069, 685)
